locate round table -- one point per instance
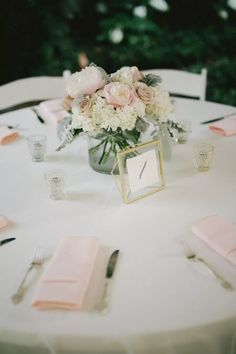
(160, 301)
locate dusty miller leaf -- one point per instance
(151, 80)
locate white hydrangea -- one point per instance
(161, 108)
(128, 117)
(110, 120)
(139, 107)
(104, 116)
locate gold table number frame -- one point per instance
(123, 178)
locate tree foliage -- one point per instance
(45, 37)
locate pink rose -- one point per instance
(145, 93)
(85, 104)
(86, 81)
(119, 95)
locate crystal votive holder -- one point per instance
(56, 181)
(203, 156)
(37, 147)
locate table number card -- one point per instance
(140, 171)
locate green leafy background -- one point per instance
(45, 37)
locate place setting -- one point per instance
(77, 276)
(205, 245)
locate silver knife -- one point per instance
(216, 119)
(37, 115)
(7, 240)
(103, 306)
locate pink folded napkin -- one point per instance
(3, 222)
(7, 135)
(66, 279)
(52, 111)
(226, 127)
(218, 233)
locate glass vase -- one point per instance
(162, 133)
(102, 154)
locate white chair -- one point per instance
(182, 83)
(32, 89)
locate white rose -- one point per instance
(127, 75)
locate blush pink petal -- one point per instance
(136, 74)
(51, 111)
(114, 94)
(85, 82)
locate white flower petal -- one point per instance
(116, 35)
(140, 11)
(232, 4)
(160, 5)
(223, 14)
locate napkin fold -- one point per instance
(65, 281)
(226, 127)
(7, 135)
(3, 222)
(51, 111)
(219, 234)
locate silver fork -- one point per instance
(37, 261)
(188, 252)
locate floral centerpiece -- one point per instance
(112, 110)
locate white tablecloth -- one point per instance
(160, 302)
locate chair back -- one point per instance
(32, 89)
(182, 83)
